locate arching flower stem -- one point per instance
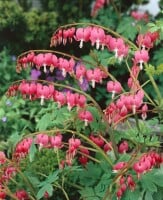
(104, 28)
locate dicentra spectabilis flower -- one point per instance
(74, 144)
(105, 41)
(30, 56)
(133, 84)
(119, 166)
(123, 111)
(119, 194)
(147, 40)
(123, 147)
(141, 56)
(137, 15)
(9, 172)
(94, 75)
(28, 89)
(22, 148)
(43, 60)
(80, 100)
(85, 116)
(97, 5)
(47, 60)
(83, 35)
(80, 72)
(2, 193)
(97, 36)
(97, 140)
(146, 162)
(131, 183)
(38, 60)
(66, 35)
(83, 159)
(42, 140)
(133, 102)
(57, 38)
(2, 157)
(144, 110)
(60, 98)
(46, 195)
(66, 65)
(70, 100)
(108, 147)
(21, 195)
(32, 90)
(62, 35)
(24, 88)
(110, 112)
(71, 65)
(71, 32)
(114, 87)
(56, 141)
(134, 71)
(139, 168)
(12, 90)
(122, 52)
(120, 103)
(153, 35)
(144, 41)
(44, 92)
(22, 62)
(116, 45)
(54, 63)
(63, 65)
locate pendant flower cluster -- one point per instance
(96, 36)
(83, 129)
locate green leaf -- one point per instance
(92, 172)
(132, 195)
(44, 122)
(126, 28)
(53, 177)
(124, 157)
(34, 180)
(112, 60)
(2, 112)
(32, 152)
(101, 57)
(88, 194)
(150, 69)
(46, 188)
(14, 139)
(59, 116)
(158, 176)
(158, 195)
(159, 69)
(100, 189)
(105, 167)
(96, 125)
(50, 179)
(148, 183)
(158, 58)
(150, 24)
(148, 196)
